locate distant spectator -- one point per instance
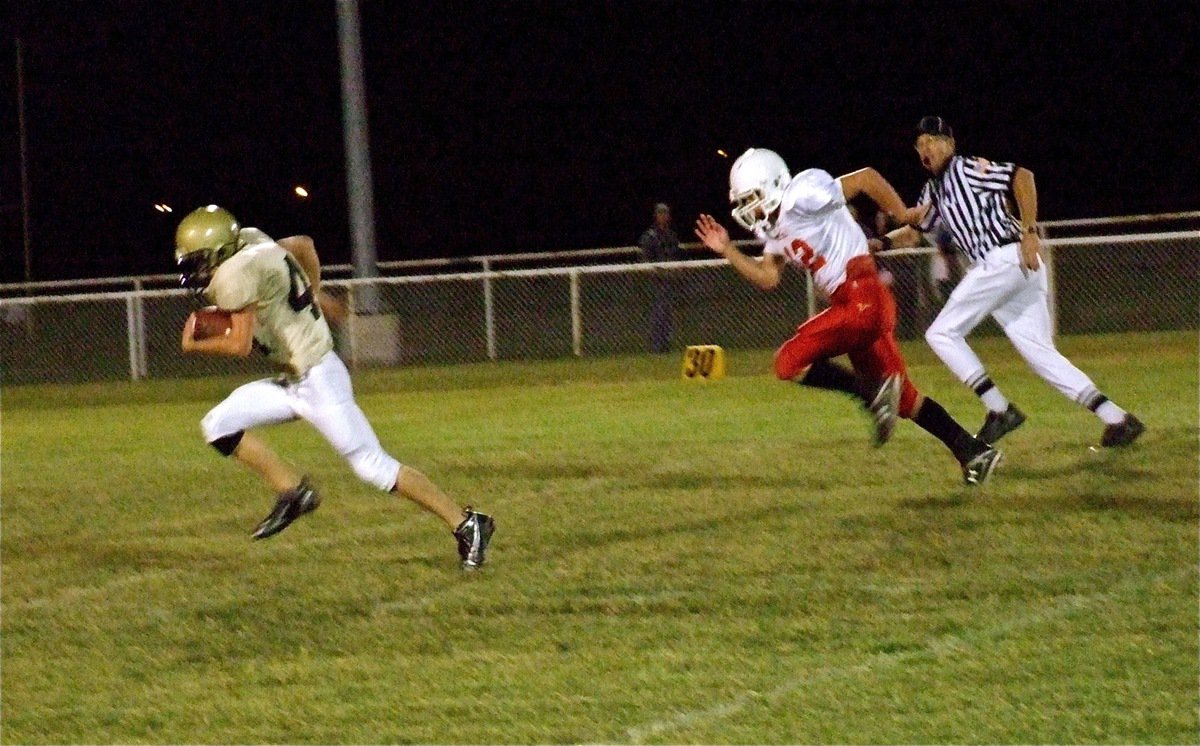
(659, 243)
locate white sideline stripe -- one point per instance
(938, 647)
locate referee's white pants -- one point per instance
(997, 286)
(324, 398)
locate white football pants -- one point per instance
(324, 398)
(997, 286)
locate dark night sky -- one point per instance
(499, 127)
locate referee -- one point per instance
(969, 197)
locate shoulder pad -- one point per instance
(810, 191)
(252, 236)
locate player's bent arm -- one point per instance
(870, 182)
(905, 237)
(771, 268)
(764, 273)
(237, 343)
(1025, 195)
(304, 250)
(334, 308)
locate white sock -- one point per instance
(1110, 413)
(994, 400)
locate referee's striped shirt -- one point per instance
(970, 199)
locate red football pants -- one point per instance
(860, 322)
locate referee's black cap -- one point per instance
(934, 126)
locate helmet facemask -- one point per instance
(206, 237)
(194, 270)
(753, 209)
(196, 267)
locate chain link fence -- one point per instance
(1131, 283)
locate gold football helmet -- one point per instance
(206, 237)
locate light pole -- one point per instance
(359, 193)
(24, 164)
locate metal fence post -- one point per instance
(139, 307)
(131, 335)
(489, 310)
(576, 316)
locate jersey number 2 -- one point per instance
(300, 294)
(808, 257)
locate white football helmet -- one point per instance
(756, 184)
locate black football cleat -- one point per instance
(978, 469)
(885, 409)
(998, 424)
(1123, 433)
(290, 506)
(473, 535)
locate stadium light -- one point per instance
(301, 192)
(162, 207)
(722, 153)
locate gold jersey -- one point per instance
(288, 325)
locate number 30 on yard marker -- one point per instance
(703, 363)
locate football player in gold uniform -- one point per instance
(272, 291)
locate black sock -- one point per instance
(981, 384)
(824, 374)
(937, 421)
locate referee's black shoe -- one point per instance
(1123, 433)
(290, 506)
(999, 424)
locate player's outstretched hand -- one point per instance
(712, 234)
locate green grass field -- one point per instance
(676, 562)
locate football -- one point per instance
(211, 322)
